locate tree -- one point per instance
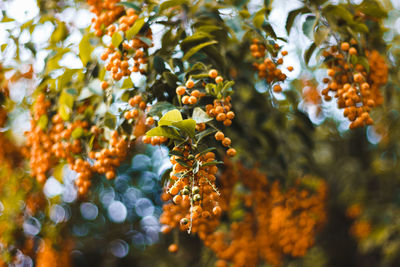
(240, 138)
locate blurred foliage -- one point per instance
(57, 82)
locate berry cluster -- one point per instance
(194, 207)
(268, 68)
(356, 89)
(274, 222)
(130, 55)
(220, 110)
(59, 141)
(106, 13)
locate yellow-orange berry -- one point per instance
(190, 83)
(219, 136)
(213, 73)
(180, 90)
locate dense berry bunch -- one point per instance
(192, 188)
(129, 54)
(274, 223)
(107, 12)
(52, 140)
(268, 66)
(355, 87)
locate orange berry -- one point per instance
(180, 90)
(195, 93)
(185, 99)
(190, 83)
(290, 68)
(219, 136)
(353, 51)
(149, 121)
(104, 85)
(173, 248)
(226, 142)
(231, 152)
(230, 115)
(192, 100)
(110, 175)
(219, 79)
(213, 73)
(345, 46)
(174, 190)
(284, 53)
(277, 88)
(221, 117)
(227, 122)
(177, 199)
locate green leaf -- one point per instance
(165, 176)
(116, 39)
(171, 3)
(197, 37)
(292, 16)
(204, 134)
(146, 40)
(166, 131)
(195, 49)
(127, 83)
(227, 85)
(200, 116)
(187, 126)
(60, 33)
(310, 50)
(170, 117)
(110, 120)
(208, 28)
(130, 5)
(210, 163)
(308, 26)
(42, 122)
(158, 108)
(64, 112)
(259, 18)
(85, 49)
(321, 34)
(158, 64)
(3, 47)
(268, 29)
(58, 172)
(66, 99)
(77, 133)
(244, 14)
(135, 29)
(170, 78)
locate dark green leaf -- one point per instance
(195, 49)
(292, 16)
(310, 50)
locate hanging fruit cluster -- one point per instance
(130, 38)
(354, 82)
(194, 207)
(53, 140)
(268, 67)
